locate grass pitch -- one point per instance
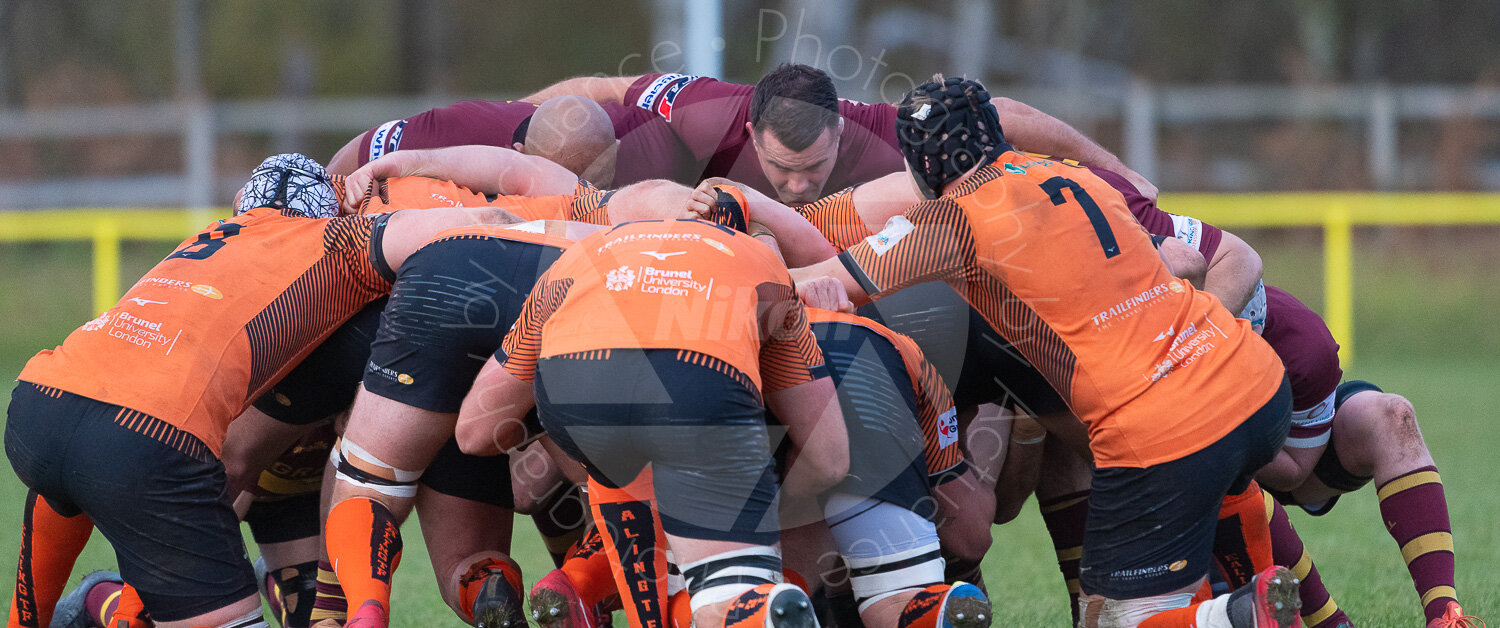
(1422, 320)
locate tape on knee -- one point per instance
(724, 576)
(358, 467)
(252, 619)
(887, 548)
(1097, 612)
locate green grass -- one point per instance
(1422, 302)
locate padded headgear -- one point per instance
(292, 183)
(947, 127)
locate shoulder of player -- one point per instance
(486, 108)
(659, 93)
(874, 116)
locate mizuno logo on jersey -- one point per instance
(662, 257)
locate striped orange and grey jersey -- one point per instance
(718, 296)
(586, 204)
(219, 321)
(837, 219)
(935, 411)
(1052, 258)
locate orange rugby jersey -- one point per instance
(719, 296)
(935, 411)
(836, 218)
(1053, 259)
(219, 321)
(585, 204)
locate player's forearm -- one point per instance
(801, 243)
(252, 443)
(600, 89)
(1184, 261)
(1234, 273)
(492, 418)
(409, 229)
(1030, 129)
(1289, 469)
(820, 440)
(346, 160)
(832, 267)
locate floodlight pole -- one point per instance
(703, 35)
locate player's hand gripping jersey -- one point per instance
(717, 295)
(1052, 258)
(586, 204)
(218, 321)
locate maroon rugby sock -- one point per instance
(1065, 517)
(1416, 515)
(1318, 608)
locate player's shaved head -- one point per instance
(653, 199)
(571, 131)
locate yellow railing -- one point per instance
(106, 228)
(1336, 213)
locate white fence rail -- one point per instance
(1143, 112)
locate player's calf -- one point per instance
(364, 545)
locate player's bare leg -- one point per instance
(1376, 436)
(554, 503)
(1062, 495)
(379, 461)
(469, 543)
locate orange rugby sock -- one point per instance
(50, 543)
(364, 545)
(1242, 543)
(130, 611)
(636, 546)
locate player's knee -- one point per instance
(1399, 415)
(966, 541)
(1006, 510)
(1381, 417)
(888, 549)
(372, 477)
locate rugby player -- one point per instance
(1344, 436)
(790, 135)
(608, 145)
(889, 518)
(1182, 401)
(152, 384)
(617, 389)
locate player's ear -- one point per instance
(750, 128)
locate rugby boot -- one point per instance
(556, 604)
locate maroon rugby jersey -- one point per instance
(648, 148)
(1311, 357)
(1199, 234)
(709, 117)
